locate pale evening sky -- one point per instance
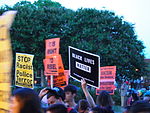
(134, 11)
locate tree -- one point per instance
(97, 31)
(105, 34)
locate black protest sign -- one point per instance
(84, 65)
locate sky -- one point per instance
(133, 11)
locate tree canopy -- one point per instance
(101, 32)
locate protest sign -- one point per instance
(5, 60)
(84, 65)
(24, 70)
(51, 65)
(108, 73)
(52, 47)
(59, 79)
(107, 79)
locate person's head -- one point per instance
(70, 92)
(126, 109)
(135, 96)
(83, 106)
(25, 100)
(57, 108)
(140, 106)
(104, 99)
(101, 110)
(139, 93)
(146, 96)
(55, 95)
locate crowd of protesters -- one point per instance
(58, 100)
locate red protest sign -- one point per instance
(52, 47)
(107, 78)
(107, 86)
(111, 92)
(108, 73)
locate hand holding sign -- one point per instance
(87, 94)
(83, 83)
(43, 92)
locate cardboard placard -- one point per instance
(52, 47)
(108, 74)
(84, 65)
(24, 70)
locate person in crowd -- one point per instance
(25, 100)
(55, 95)
(140, 106)
(52, 96)
(126, 109)
(57, 108)
(146, 96)
(134, 98)
(104, 101)
(140, 94)
(82, 106)
(70, 93)
(124, 89)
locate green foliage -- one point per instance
(97, 31)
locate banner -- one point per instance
(52, 47)
(84, 65)
(60, 79)
(107, 79)
(108, 73)
(5, 60)
(51, 65)
(24, 76)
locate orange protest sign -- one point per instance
(111, 91)
(107, 86)
(67, 73)
(61, 78)
(52, 47)
(108, 73)
(107, 79)
(51, 65)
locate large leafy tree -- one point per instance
(97, 31)
(104, 33)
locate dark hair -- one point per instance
(104, 99)
(102, 110)
(71, 88)
(57, 108)
(29, 99)
(135, 98)
(82, 105)
(57, 92)
(140, 106)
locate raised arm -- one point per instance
(42, 93)
(87, 94)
